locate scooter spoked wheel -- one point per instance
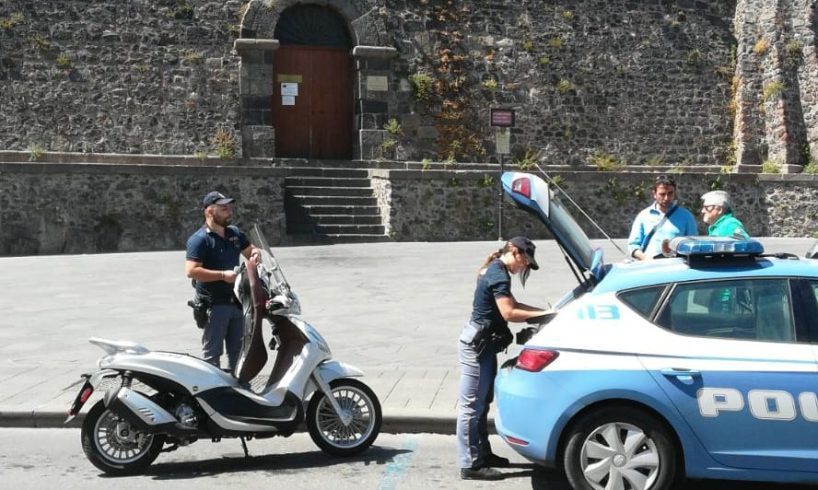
(328, 430)
(115, 446)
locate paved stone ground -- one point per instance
(392, 309)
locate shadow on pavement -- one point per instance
(269, 463)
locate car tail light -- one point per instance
(535, 360)
(522, 186)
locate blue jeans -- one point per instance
(225, 328)
(476, 394)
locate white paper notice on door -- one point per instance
(287, 100)
(289, 89)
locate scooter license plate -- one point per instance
(79, 401)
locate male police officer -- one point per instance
(212, 254)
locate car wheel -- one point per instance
(620, 447)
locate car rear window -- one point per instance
(642, 300)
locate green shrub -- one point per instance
(770, 167)
(35, 152)
(224, 145)
(491, 85)
(423, 85)
(393, 127)
(63, 61)
(564, 86)
(527, 160)
(605, 161)
(771, 91)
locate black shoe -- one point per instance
(494, 461)
(484, 473)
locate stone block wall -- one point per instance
(52, 208)
(592, 80)
(120, 76)
(463, 205)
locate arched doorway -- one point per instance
(312, 84)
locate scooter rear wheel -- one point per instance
(115, 446)
(330, 433)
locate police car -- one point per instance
(702, 365)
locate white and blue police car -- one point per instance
(702, 365)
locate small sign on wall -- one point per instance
(287, 100)
(377, 84)
(501, 118)
(289, 89)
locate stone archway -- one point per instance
(371, 74)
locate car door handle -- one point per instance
(681, 373)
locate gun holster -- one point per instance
(201, 311)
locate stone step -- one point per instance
(321, 229)
(299, 191)
(322, 210)
(337, 219)
(316, 239)
(326, 182)
(352, 173)
(331, 200)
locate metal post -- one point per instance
(500, 202)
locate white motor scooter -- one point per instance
(162, 400)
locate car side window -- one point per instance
(757, 309)
(642, 300)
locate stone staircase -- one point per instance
(332, 205)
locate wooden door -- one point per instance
(319, 123)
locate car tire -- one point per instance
(622, 443)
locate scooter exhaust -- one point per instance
(144, 414)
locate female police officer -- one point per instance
(484, 335)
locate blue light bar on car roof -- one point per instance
(704, 245)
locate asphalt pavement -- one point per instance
(392, 309)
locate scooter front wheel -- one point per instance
(359, 403)
(115, 446)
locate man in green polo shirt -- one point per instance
(718, 214)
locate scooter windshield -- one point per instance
(268, 260)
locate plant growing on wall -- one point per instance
(564, 86)
(35, 152)
(387, 148)
(445, 83)
(761, 46)
(605, 162)
(527, 160)
(793, 50)
(770, 167)
(193, 57)
(491, 85)
(771, 91)
(422, 84)
(393, 127)
(224, 145)
(40, 42)
(63, 61)
(9, 22)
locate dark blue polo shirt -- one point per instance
(496, 282)
(216, 253)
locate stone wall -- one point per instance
(776, 83)
(447, 206)
(52, 208)
(595, 82)
(123, 76)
